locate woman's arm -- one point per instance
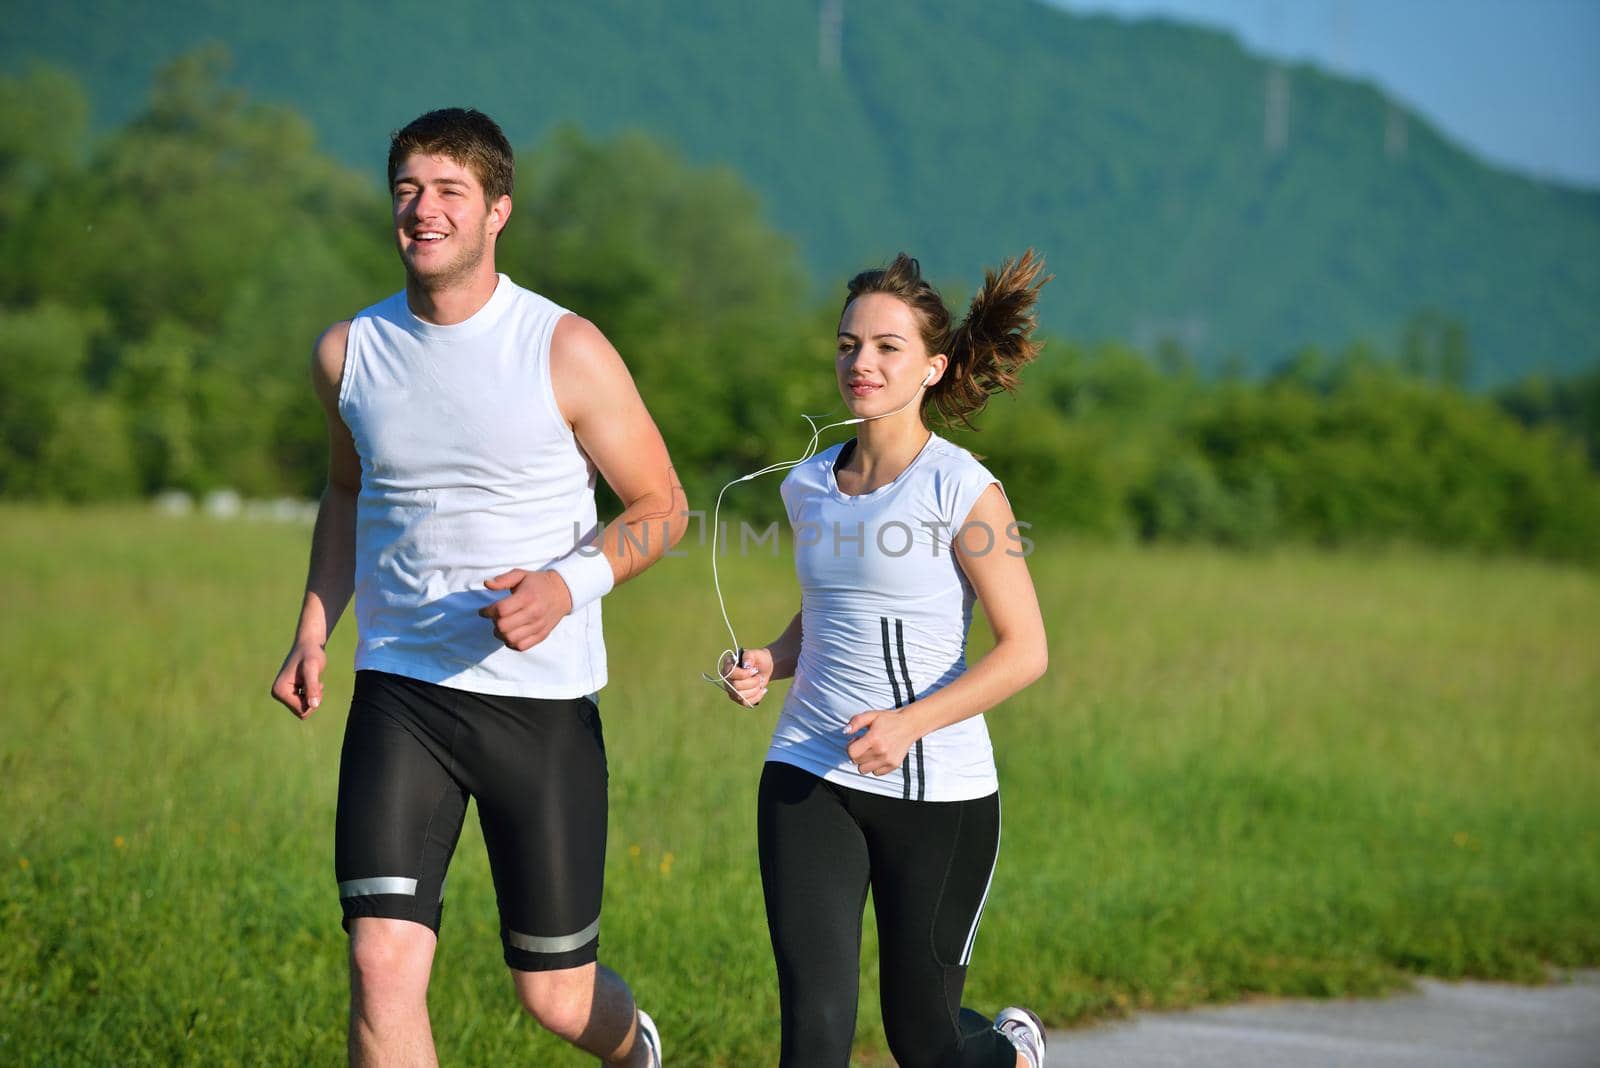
(747, 682)
(999, 576)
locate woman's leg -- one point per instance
(814, 873)
(931, 866)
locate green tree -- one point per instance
(706, 302)
(43, 136)
(1571, 403)
(57, 438)
(215, 243)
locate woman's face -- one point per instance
(882, 360)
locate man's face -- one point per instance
(442, 227)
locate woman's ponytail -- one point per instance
(991, 345)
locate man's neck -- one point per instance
(453, 303)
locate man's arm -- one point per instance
(597, 396)
(598, 399)
(330, 579)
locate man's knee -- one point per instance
(389, 958)
(562, 1001)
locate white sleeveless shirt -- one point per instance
(467, 470)
(885, 610)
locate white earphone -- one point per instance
(719, 680)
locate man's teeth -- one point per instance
(430, 237)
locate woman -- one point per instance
(880, 771)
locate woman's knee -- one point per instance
(914, 1047)
(823, 1024)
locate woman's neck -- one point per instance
(884, 448)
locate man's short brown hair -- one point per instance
(465, 135)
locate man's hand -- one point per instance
(882, 749)
(746, 682)
(537, 602)
(298, 686)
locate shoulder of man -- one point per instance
(328, 355)
(581, 357)
(575, 337)
(587, 373)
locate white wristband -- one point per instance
(587, 574)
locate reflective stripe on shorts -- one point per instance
(556, 944)
(383, 884)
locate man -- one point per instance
(466, 420)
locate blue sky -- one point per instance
(1515, 81)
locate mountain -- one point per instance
(1182, 188)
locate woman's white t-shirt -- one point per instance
(885, 610)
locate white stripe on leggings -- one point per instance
(972, 935)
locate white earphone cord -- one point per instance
(735, 654)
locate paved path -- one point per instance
(1448, 1025)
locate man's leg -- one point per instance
(538, 771)
(389, 965)
(589, 1006)
(399, 815)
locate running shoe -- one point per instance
(1025, 1031)
(651, 1037)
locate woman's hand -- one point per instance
(746, 682)
(890, 734)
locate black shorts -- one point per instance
(414, 752)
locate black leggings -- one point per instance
(928, 864)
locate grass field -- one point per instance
(1294, 773)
